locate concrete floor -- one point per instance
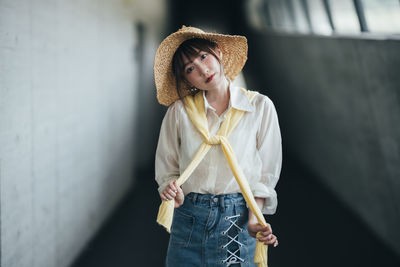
(314, 229)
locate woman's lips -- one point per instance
(210, 78)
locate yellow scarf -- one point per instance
(195, 110)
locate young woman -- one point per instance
(212, 224)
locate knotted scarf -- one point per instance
(195, 110)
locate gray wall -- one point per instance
(69, 94)
(338, 99)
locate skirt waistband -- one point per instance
(210, 200)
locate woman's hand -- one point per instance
(253, 227)
(173, 191)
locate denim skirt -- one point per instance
(211, 230)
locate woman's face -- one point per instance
(203, 71)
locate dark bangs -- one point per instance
(190, 49)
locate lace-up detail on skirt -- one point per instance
(233, 242)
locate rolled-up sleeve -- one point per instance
(269, 145)
(167, 152)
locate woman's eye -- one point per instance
(189, 70)
(203, 56)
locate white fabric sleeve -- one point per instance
(269, 145)
(167, 152)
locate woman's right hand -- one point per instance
(173, 191)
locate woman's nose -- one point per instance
(203, 69)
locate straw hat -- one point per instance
(233, 48)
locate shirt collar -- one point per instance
(238, 99)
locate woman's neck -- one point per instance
(219, 99)
(219, 94)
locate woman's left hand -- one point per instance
(267, 237)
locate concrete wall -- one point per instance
(70, 82)
(338, 100)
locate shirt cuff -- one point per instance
(260, 190)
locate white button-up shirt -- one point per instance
(256, 141)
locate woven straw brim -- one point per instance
(234, 56)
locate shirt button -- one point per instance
(215, 200)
